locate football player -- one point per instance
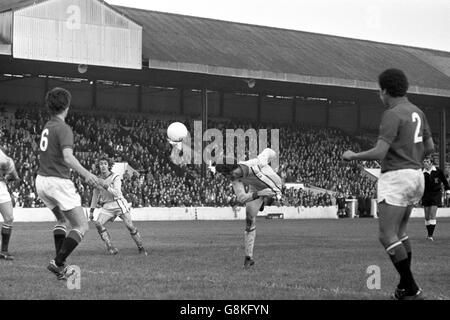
(403, 142)
(113, 204)
(432, 197)
(53, 184)
(7, 173)
(264, 185)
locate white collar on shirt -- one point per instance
(433, 168)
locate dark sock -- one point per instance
(6, 235)
(399, 258)
(407, 245)
(69, 244)
(431, 230)
(59, 234)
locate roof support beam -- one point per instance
(443, 138)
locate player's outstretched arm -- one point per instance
(94, 201)
(74, 164)
(376, 153)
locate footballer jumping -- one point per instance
(264, 187)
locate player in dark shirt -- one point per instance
(404, 140)
(53, 184)
(432, 197)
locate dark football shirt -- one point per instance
(55, 137)
(405, 127)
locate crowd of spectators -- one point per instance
(308, 155)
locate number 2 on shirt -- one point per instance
(416, 118)
(44, 141)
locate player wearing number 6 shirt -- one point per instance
(113, 204)
(53, 184)
(264, 188)
(403, 142)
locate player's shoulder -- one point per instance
(57, 125)
(115, 176)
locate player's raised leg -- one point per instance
(6, 210)
(126, 217)
(102, 220)
(251, 210)
(390, 219)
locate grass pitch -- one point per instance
(295, 259)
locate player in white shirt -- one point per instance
(113, 205)
(7, 173)
(264, 185)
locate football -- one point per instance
(177, 131)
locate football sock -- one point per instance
(431, 227)
(69, 244)
(136, 237)
(399, 257)
(59, 234)
(104, 235)
(249, 242)
(6, 235)
(407, 245)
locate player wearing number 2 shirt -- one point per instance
(53, 184)
(403, 142)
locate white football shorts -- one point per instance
(57, 192)
(4, 194)
(401, 188)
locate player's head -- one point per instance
(393, 84)
(230, 169)
(105, 164)
(58, 100)
(427, 162)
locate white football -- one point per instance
(177, 131)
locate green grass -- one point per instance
(295, 259)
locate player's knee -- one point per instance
(98, 226)
(133, 230)
(84, 227)
(249, 224)
(8, 220)
(386, 238)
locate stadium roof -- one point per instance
(186, 43)
(200, 45)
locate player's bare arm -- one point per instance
(94, 201)
(429, 146)
(74, 164)
(376, 153)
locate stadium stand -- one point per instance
(310, 155)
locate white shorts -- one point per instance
(4, 194)
(57, 192)
(115, 208)
(401, 188)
